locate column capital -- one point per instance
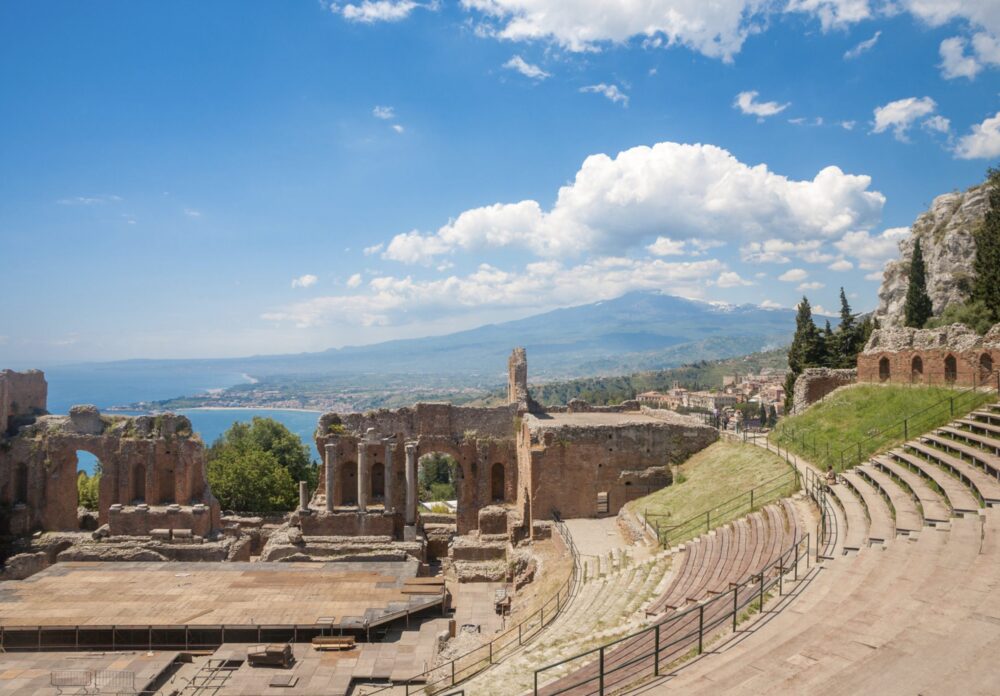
(332, 443)
(411, 445)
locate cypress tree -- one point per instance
(986, 288)
(848, 335)
(918, 302)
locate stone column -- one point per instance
(363, 484)
(332, 472)
(411, 483)
(303, 496)
(390, 447)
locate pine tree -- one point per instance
(918, 302)
(806, 349)
(986, 288)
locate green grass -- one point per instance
(872, 416)
(715, 476)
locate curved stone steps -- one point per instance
(912, 470)
(978, 424)
(990, 416)
(856, 527)
(880, 524)
(907, 517)
(956, 493)
(981, 460)
(985, 486)
(987, 449)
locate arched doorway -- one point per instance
(378, 481)
(437, 476)
(166, 483)
(884, 371)
(139, 483)
(917, 368)
(950, 369)
(497, 493)
(349, 483)
(88, 489)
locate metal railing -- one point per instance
(647, 653)
(746, 502)
(841, 457)
(478, 659)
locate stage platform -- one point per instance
(187, 605)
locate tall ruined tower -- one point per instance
(517, 379)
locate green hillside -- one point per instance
(862, 420)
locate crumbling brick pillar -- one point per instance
(390, 446)
(332, 471)
(411, 483)
(363, 483)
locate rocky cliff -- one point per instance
(946, 238)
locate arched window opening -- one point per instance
(917, 367)
(497, 483)
(166, 480)
(883, 369)
(985, 365)
(950, 369)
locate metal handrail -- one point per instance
(753, 496)
(453, 675)
(755, 588)
(859, 446)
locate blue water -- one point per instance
(118, 384)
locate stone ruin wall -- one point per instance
(478, 438)
(563, 469)
(156, 461)
(954, 355)
(23, 395)
(815, 383)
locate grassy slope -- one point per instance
(715, 475)
(872, 415)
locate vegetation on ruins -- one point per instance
(986, 289)
(436, 477)
(859, 414)
(973, 314)
(827, 348)
(712, 476)
(918, 307)
(256, 467)
(87, 488)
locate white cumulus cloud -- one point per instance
(612, 92)
(899, 115)
(525, 68)
(304, 281)
(748, 104)
(793, 275)
(841, 265)
(371, 11)
(354, 281)
(862, 47)
(670, 189)
(665, 246)
(389, 300)
(386, 113)
(872, 251)
(813, 285)
(731, 279)
(833, 14)
(983, 142)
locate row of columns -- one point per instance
(332, 475)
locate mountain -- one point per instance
(640, 330)
(947, 239)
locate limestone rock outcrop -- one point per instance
(946, 233)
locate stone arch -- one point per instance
(884, 369)
(378, 481)
(348, 483)
(917, 368)
(166, 482)
(497, 483)
(21, 484)
(950, 368)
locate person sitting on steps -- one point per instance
(831, 475)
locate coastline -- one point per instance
(249, 408)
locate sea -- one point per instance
(121, 384)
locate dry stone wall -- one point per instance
(816, 382)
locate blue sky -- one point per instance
(193, 179)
